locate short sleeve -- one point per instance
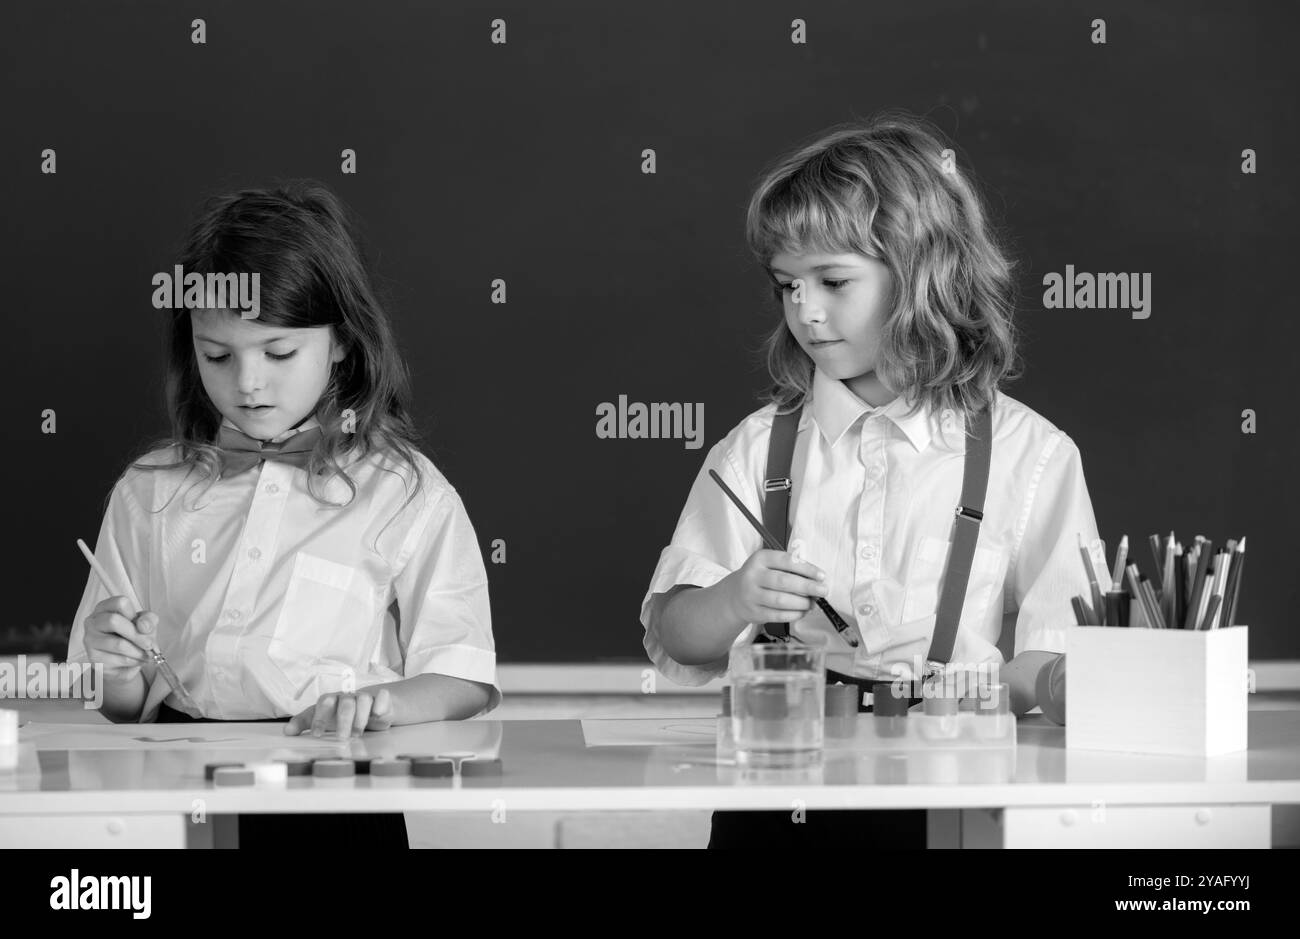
(123, 550)
(1048, 569)
(445, 622)
(711, 540)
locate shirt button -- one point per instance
(875, 471)
(255, 553)
(869, 552)
(273, 488)
(234, 614)
(866, 609)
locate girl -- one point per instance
(295, 555)
(896, 330)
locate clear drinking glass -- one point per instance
(778, 704)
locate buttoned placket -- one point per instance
(871, 522)
(253, 552)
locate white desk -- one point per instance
(88, 790)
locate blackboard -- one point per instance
(522, 161)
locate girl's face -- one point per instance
(838, 319)
(265, 379)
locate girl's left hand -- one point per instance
(345, 713)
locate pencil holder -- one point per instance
(1170, 691)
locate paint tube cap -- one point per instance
(210, 769)
(996, 699)
(385, 766)
(297, 765)
(884, 703)
(940, 705)
(431, 768)
(483, 767)
(726, 700)
(271, 773)
(233, 776)
(333, 768)
(842, 700)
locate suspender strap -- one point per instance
(776, 490)
(966, 530)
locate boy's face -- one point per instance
(838, 320)
(265, 379)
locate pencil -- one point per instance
(1238, 565)
(1135, 589)
(1117, 608)
(1210, 611)
(1180, 586)
(1097, 602)
(1154, 541)
(1121, 556)
(1081, 613)
(1168, 602)
(1198, 584)
(1153, 603)
(843, 628)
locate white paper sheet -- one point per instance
(482, 738)
(651, 733)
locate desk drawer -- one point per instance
(93, 831)
(1127, 826)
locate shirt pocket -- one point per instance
(925, 576)
(323, 624)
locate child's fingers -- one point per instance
(785, 561)
(120, 665)
(119, 605)
(365, 703)
(345, 713)
(780, 600)
(793, 583)
(119, 648)
(146, 623)
(116, 623)
(324, 718)
(381, 717)
(300, 722)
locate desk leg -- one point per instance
(1119, 826)
(943, 828)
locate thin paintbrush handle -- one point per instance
(843, 628)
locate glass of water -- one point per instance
(778, 704)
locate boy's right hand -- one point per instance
(773, 587)
(118, 641)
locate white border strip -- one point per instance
(1277, 675)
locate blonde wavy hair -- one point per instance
(885, 188)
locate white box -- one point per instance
(1172, 691)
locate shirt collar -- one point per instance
(835, 409)
(280, 438)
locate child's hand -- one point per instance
(345, 713)
(773, 587)
(117, 641)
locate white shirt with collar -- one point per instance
(872, 506)
(268, 599)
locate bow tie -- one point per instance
(240, 452)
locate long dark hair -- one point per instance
(299, 239)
